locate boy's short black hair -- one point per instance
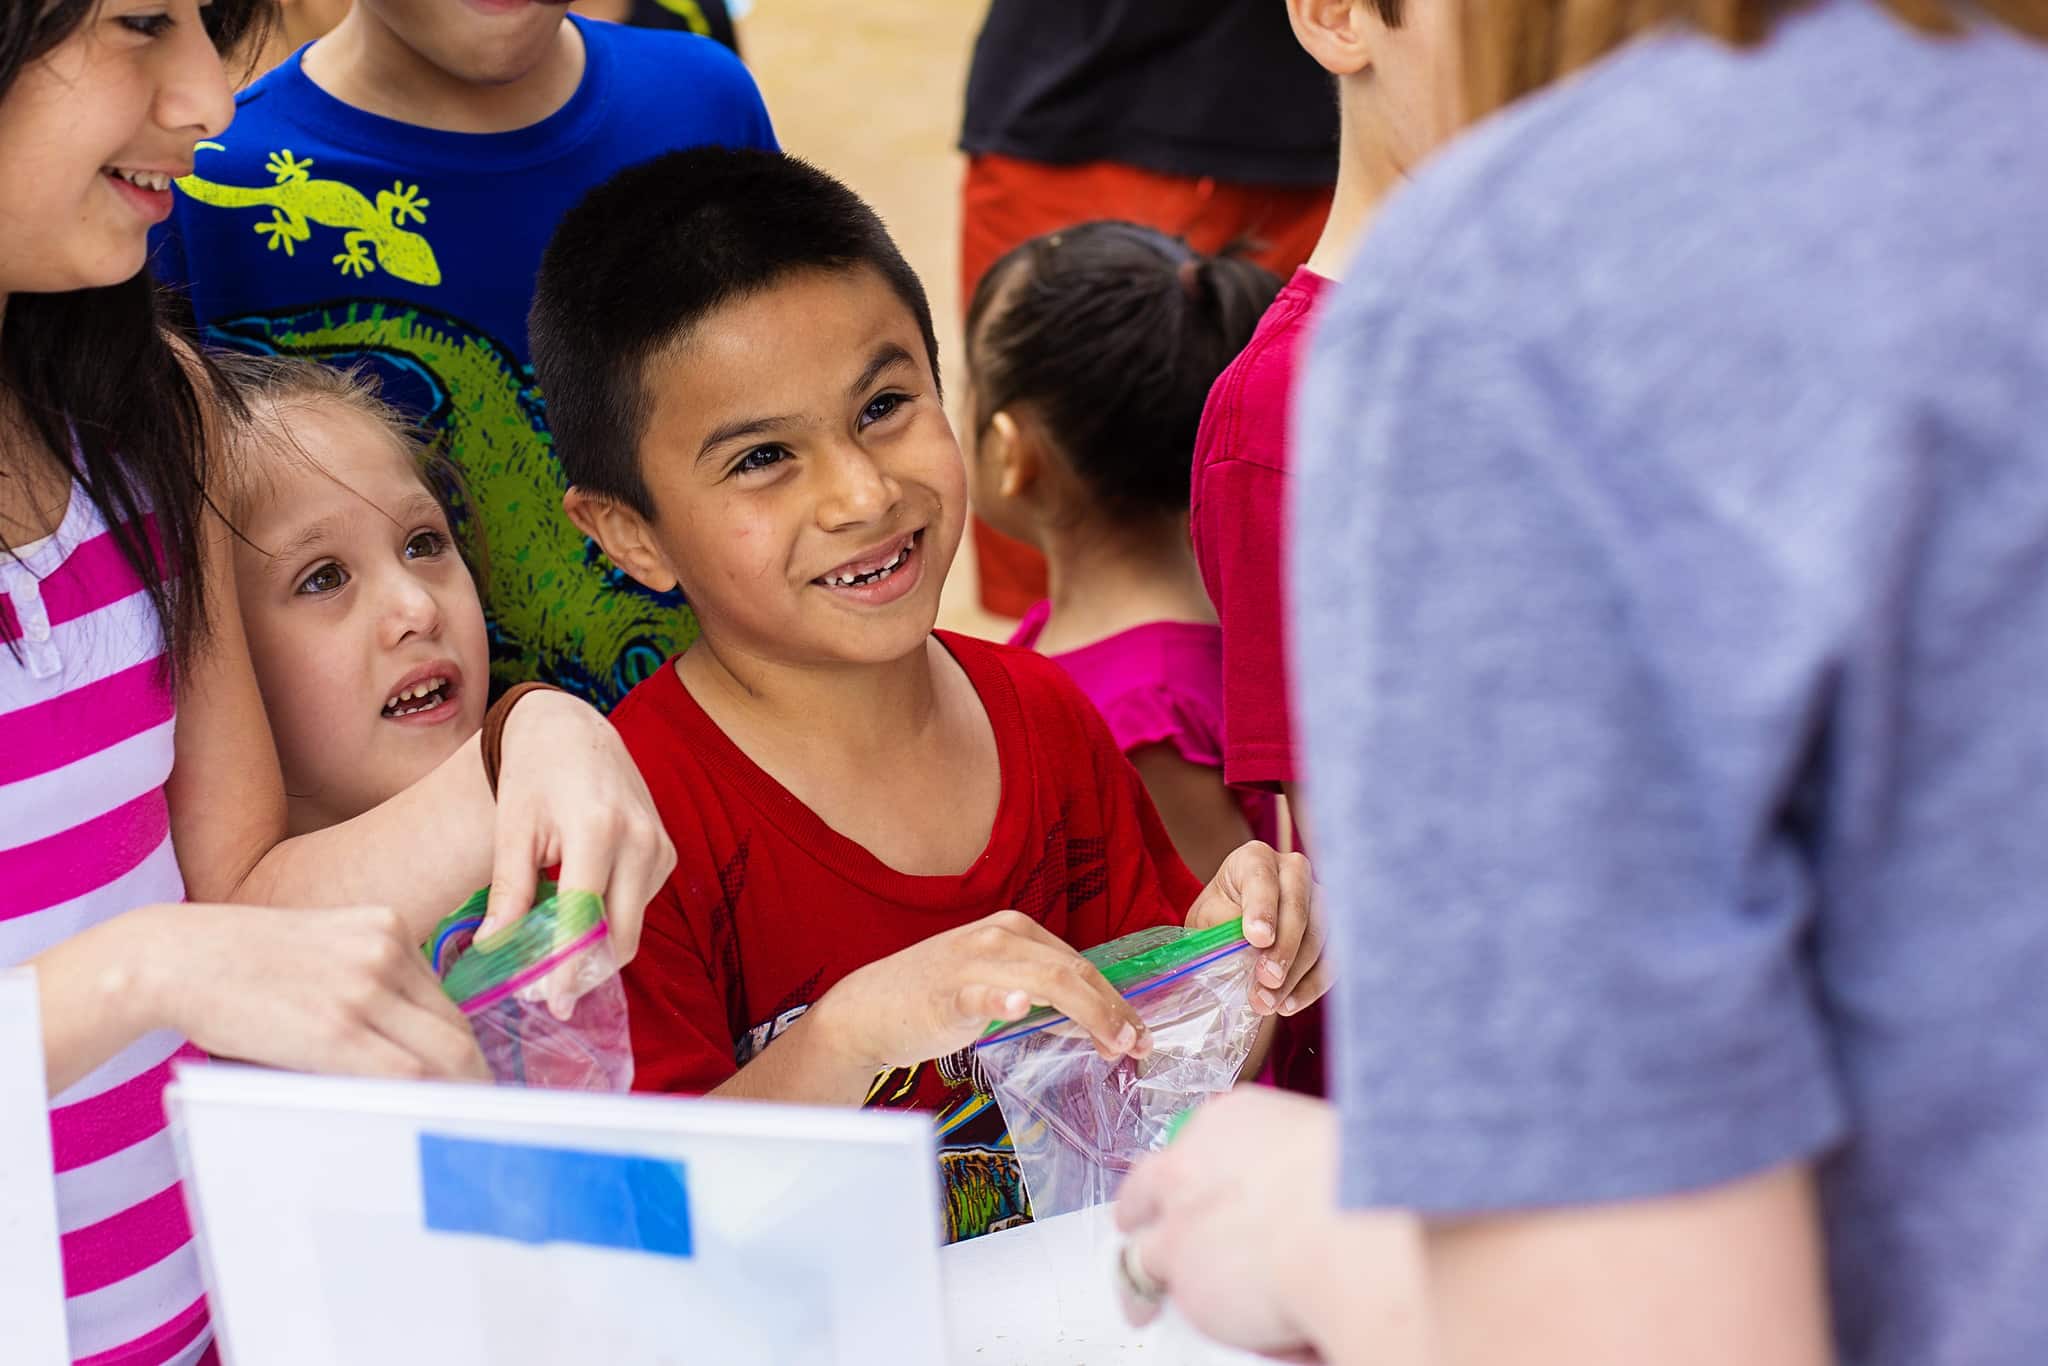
(649, 254)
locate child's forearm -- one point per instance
(96, 995)
(419, 853)
(804, 1065)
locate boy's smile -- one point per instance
(882, 577)
(806, 490)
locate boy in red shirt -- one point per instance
(1393, 94)
(886, 837)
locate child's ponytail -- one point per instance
(1113, 333)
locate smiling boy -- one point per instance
(887, 836)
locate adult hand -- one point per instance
(937, 997)
(341, 990)
(569, 794)
(1283, 917)
(1236, 1223)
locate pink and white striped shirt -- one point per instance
(86, 717)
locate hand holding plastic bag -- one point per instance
(1079, 1121)
(556, 953)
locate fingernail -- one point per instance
(1126, 1036)
(1275, 972)
(1290, 1005)
(1265, 998)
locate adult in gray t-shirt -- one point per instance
(1671, 569)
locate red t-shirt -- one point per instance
(1238, 518)
(768, 906)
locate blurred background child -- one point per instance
(1092, 350)
(1201, 118)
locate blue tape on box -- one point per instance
(554, 1195)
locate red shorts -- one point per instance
(1005, 201)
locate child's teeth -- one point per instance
(148, 180)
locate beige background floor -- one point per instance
(871, 91)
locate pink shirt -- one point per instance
(86, 719)
(1158, 684)
(1237, 516)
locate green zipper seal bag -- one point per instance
(1136, 964)
(522, 1040)
(1077, 1121)
(561, 925)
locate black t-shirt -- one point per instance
(1187, 87)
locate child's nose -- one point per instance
(859, 491)
(410, 610)
(193, 95)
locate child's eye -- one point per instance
(759, 458)
(326, 579)
(881, 406)
(425, 545)
(148, 25)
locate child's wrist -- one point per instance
(833, 1038)
(496, 720)
(136, 974)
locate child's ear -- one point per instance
(1015, 454)
(1340, 34)
(623, 534)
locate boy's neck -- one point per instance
(1367, 171)
(1103, 579)
(847, 708)
(364, 64)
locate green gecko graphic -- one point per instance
(297, 201)
(558, 609)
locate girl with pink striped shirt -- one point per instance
(136, 766)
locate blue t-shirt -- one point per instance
(314, 228)
(1672, 576)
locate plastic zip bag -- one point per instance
(1079, 1122)
(499, 984)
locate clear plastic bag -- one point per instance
(499, 985)
(1078, 1122)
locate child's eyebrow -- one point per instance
(886, 355)
(420, 506)
(285, 556)
(733, 431)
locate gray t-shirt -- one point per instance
(1672, 574)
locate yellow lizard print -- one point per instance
(297, 202)
(690, 12)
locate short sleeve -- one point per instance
(681, 1041)
(1241, 516)
(1148, 884)
(1557, 711)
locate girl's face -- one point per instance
(363, 623)
(93, 134)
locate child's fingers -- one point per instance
(1309, 955)
(982, 1004)
(1251, 877)
(434, 1045)
(1070, 984)
(1294, 903)
(1310, 989)
(515, 874)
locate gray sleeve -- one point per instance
(1559, 713)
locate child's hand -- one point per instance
(1283, 915)
(313, 990)
(569, 794)
(937, 997)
